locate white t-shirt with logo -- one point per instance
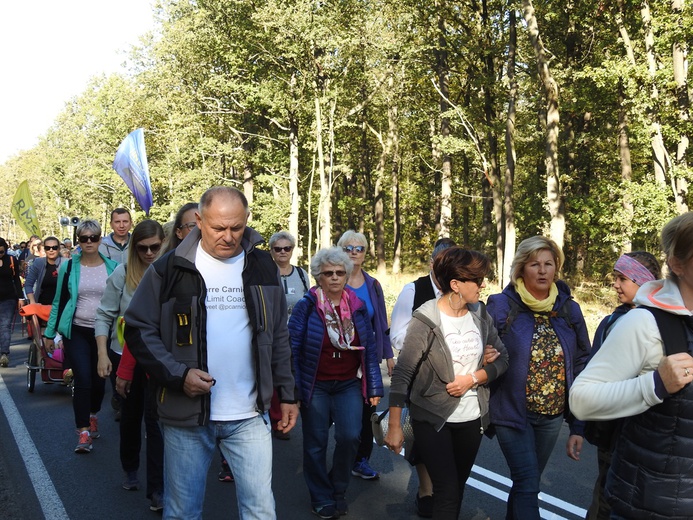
(463, 338)
(229, 338)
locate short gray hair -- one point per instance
(330, 256)
(89, 225)
(353, 236)
(282, 235)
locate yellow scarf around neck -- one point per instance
(531, 302)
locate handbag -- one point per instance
(380, 426)
(378, 420)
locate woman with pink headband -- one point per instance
(630, 272)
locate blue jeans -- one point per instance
(527, 451)
(188, 451)
(7, 310)
(338, 402)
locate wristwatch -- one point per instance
(476, 381)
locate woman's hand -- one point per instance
(49, 344)
(574, 446)
(374, 401)
(390, 366)
(104, 366)
(676, 371)
(394, 439)
(123, 386)
(490, 354)
(460, 385)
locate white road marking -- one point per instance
(48, 497)
(543, 497)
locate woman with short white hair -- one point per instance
(336, 370)
(371, 292)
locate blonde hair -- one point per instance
(136, 267)
(528, 249)
(677, 241)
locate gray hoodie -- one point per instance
(429, 400)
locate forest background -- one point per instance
(486, 121)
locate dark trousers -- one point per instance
(366, 442)
(449, 456)
(599, 508)
(141, 402)
(114, 357)
(82, 357)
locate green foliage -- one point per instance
(219, 85)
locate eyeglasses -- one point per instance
(286, 249)
(351, 249)
(478, 281)
(51, 248)
(330, 274)
(154, 248)
(188, 225)
(89, 238)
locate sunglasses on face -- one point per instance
(477, 281)
(351, 249)
(154, 248)
(330, 274)
(286, 249)
(89, 238)
(51, 248)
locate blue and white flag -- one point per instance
(131, 164)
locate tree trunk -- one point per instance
(679, 65)
(443, 74)
(393, 137)
(325, 206)
(248, 186)
(510, 157)
(626, 168)
(294, 196)
(553, 185)
(490, 116)
(658, 150)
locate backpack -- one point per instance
(673, 330)
(303, 279)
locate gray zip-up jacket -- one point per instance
(429, 400)
(165, 329)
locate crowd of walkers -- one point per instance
(219, 345)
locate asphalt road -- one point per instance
(41, 476)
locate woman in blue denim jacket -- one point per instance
(545, 334)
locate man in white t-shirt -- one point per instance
(208, 323)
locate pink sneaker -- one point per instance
(94, 427)
(84, 442)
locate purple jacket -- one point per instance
(382, 337)
(508, 405)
